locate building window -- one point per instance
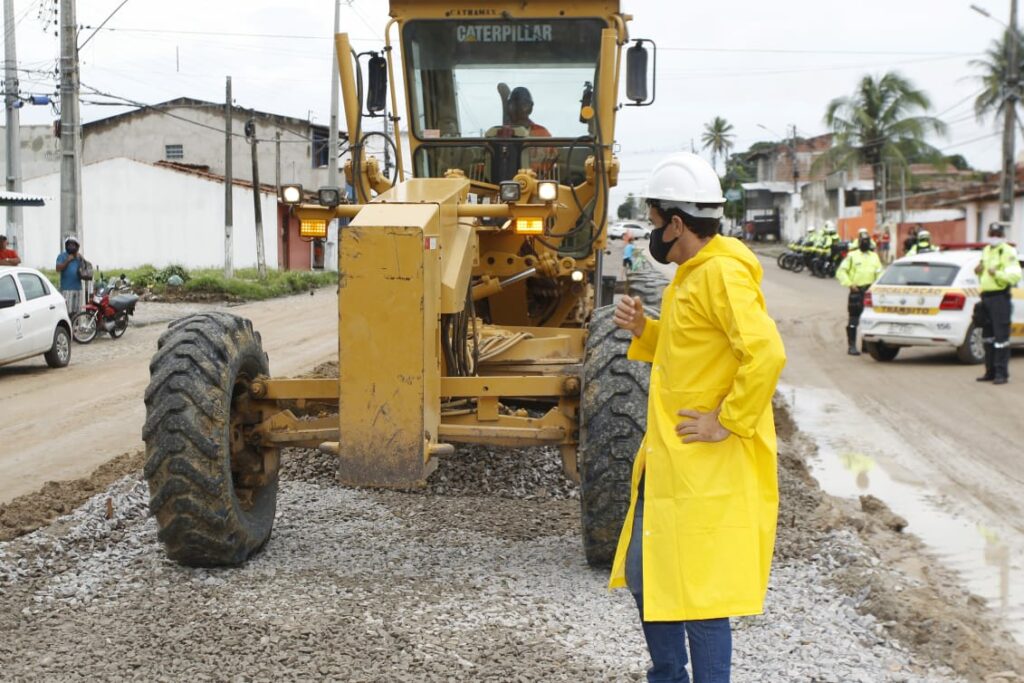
(174, 152)
(321, 148)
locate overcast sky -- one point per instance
(752, 62)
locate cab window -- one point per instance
(32, 286)
(9, 290)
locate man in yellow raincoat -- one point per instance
(697, 542)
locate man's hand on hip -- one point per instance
(629, 315)
(701, 427)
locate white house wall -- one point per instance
(144, 137)
(978, 230)
(135, 213)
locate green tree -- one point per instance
(718, 138)
(883, 121)
(992, 78)
(625, 211)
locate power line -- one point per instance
(103, 23)
(229, 34)
(787, 51)
(124, 101)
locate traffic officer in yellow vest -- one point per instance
(696, 545)
(923, 245)
(999, 270)
(858, 271)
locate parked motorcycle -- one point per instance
(106, 311)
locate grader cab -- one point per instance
(467, 285)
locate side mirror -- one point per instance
(636, 74)
(8, 303)
(377, 92)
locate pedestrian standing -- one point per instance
(858, 272)
(627, 254)
(911, 238)
(696, 545)
(8, 257)
(999, 270)
(69, 264)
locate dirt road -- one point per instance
(61, 424)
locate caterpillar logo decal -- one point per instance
(504, 33)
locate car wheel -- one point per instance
(881, 351)
(59, 354)
(972, 351)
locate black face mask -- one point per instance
(72, 248)
(658, 246)
(865, 244)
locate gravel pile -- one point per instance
(478, 577)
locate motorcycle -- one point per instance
(103, 312)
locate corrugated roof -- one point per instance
(20, 199)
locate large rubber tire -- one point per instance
(613, 418)
(972, 351)
(781, 260)
(59, 354)
(881, 351)
(202, 366)
(649, 285)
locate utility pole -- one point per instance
(332, 140)
(903, 194)
(70, 128)
(229, 270)
(796, 168)
(277, 162)
(1009, 120)
(15, 229)
(261, 261)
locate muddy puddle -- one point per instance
(858, 456)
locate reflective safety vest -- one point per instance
(921, 248)
(859, 269)
(1002, 259)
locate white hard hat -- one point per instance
(685, 180)
(829, 226)
(71, 237)
(810, 228)
(924, 235)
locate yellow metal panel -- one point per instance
(389, 290)
(550, 385)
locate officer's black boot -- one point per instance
(851, 337)
(990, 373)
(1001, 365)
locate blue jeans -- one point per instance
(710, 639)
(710, 643)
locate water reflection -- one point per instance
(857, 456)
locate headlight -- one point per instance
(510, 191)
(291, 194)
(577, 276)
(547, 190)
(312, 227)
(329, 196)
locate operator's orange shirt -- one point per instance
(542, 159)
(8, 253)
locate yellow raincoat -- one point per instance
(710, 508)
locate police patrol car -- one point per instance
(928, 300)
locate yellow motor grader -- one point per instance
(468, 284)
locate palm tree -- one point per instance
(717, 137)
(992, 78)
(884, 121)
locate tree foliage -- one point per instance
(883, 121)
(718, 137)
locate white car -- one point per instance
(617, 231)
(928, 300)
(33, 318)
